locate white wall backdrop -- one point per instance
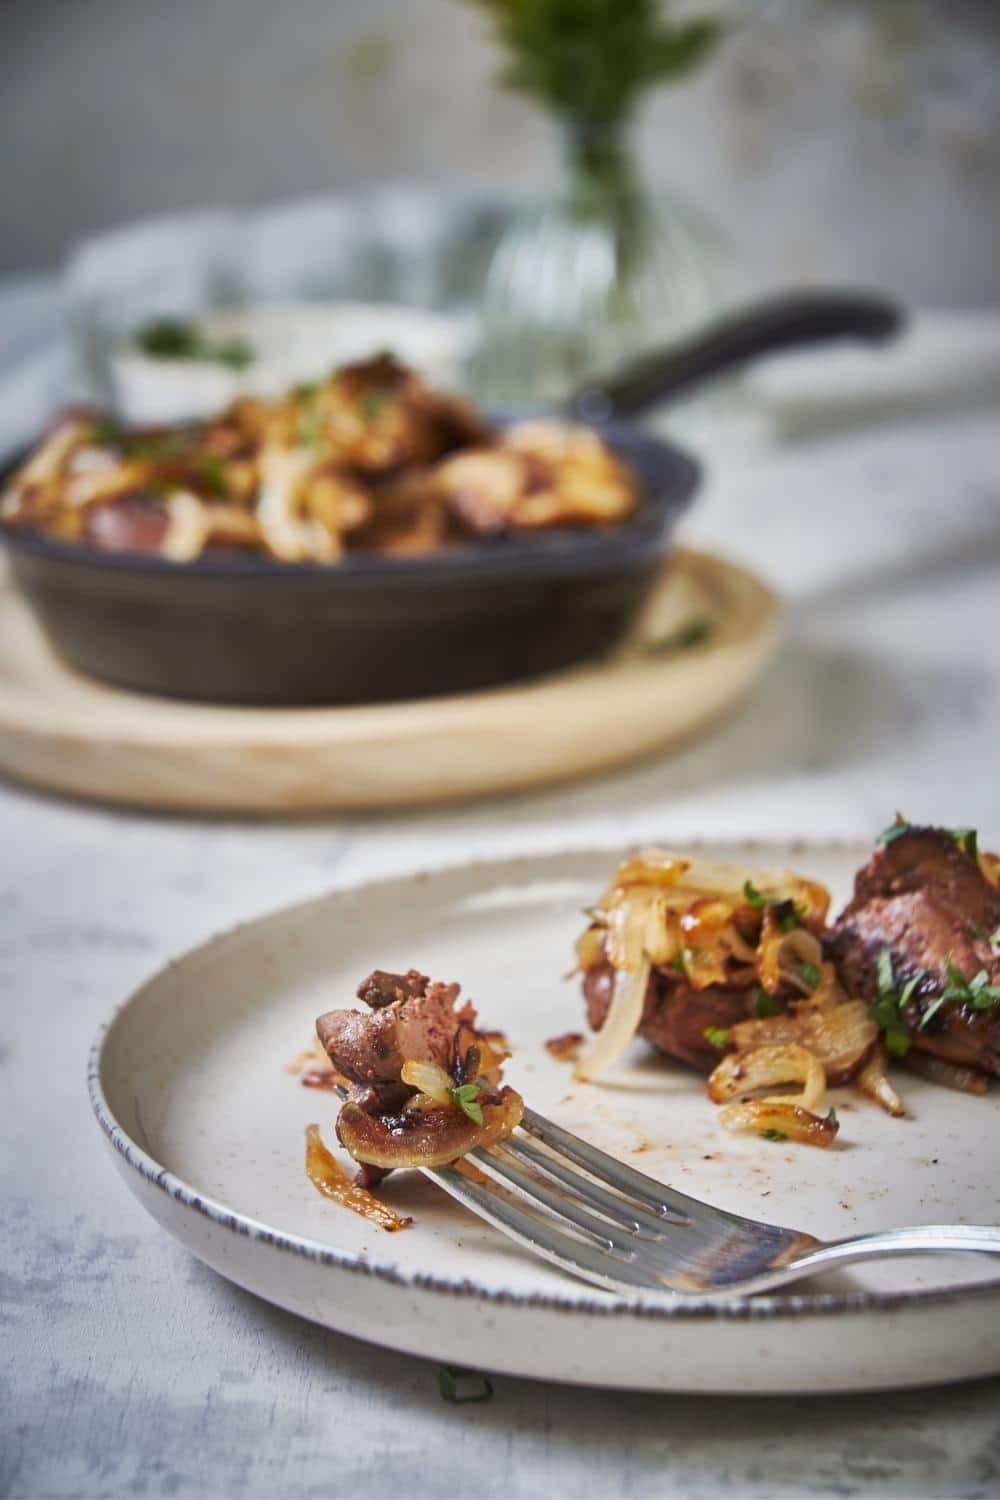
(855, 139)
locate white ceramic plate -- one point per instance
(190, 1086)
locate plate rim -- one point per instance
(708, 1309)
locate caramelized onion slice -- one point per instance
(779, 1118)
(589, 948)
(430, 1079)
(841, 1036)
(692, 875)
(705, 926)
(739, 1074)
(479, 1054)
(873, 1082)
(329, 1178)
(627, 923)
(620, 1024)
(428, 1138)
(494, 1050)
(781, 956)
(783, 1118)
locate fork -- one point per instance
(610, 1225)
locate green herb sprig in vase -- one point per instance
(606, 268)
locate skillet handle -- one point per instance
(790, 322)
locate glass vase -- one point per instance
(605, 270)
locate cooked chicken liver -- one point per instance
(408, 1017)
(382, 988)
(412, 1018)
(675, 1015)
(926, 900)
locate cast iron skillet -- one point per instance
(248, 630)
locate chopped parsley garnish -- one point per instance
(788, 916)
(594, 913)
(694, 633)
(235, 353)
(930, 1013)
(773, 1135)
(716, 1036)
(967, 840)
(371, 405)
(811, 975)
(894, 831)
(168, 338)
(831, 1115)
(310, 417)
(886, 1010)
(177, 338)
(451, 1381)
(977, 991)
(466, 1098)
(681, 960)
(158, 446)
(766, 1005)
(213, 474)
(883, 972)
(107, 431)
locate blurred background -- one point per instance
(568, 183)
(837, 139)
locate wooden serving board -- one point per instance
(70, 735)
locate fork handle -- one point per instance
(921, 1239)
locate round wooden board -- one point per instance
(71, 735)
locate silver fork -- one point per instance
(606, 1223)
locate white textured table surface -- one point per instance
(129, 1369)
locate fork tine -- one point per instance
(639, 1221)
(665, 1201)
(614, 1238)
(538, 1233)
(669, 1250)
